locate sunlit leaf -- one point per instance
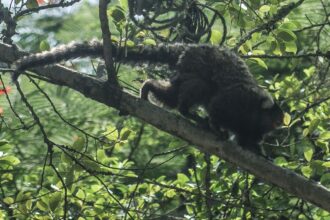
(325, 135)
(42, 205)
(8, 200)
(291, 47)
(11, 159)
(286, 119)
(308, 153)
(280, 161)
(170, 193)
(264, 8)
(215, 37)
(149, 41)
(260, 62)
(306, 171)
(182, 178)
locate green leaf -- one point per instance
(160, 179)
(31, 4)
(313, 125)
(280, 161)
(306, 171)
(3, 142)
(260, 62)
(170, 193)
(182, 178)
(258, 52)
(288, 25)
(7, 176)
(291, 47)
(308, 153)
(286, 119)
(264, 8)
(310, 71)
(79, 143)
(286, 35)
(101, 155)
(80, 194)
(69, 177)
(305, 132)
(96, 188)
(325, 179)
(124, 4)
(22, 199)
(149, 41)
(124, 134)
(5, 147)
(65, 158)
(215, 37)
(326, 164)
(28, 205)
(325, 136)
(11, 159)
(20, 196)
(130, 43)
(117, 13)
(42, 205)
(54, 200)
(111, 134)
(44, 45)
(91, 165)
(8, 200)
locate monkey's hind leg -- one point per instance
(167, 94)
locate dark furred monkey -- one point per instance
(212, 77)
(219, 80)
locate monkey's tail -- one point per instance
(167, 94)
(58, 54)
(167, 54)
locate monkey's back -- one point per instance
(218, 65)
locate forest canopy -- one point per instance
(78, 142)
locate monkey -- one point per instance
(250, 115)
(215, 78)
(220, 81)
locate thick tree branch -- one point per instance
(207, 142)
(107, 45)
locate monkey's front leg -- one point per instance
(216, 128)
(192, 93)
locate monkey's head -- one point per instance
(271, 115)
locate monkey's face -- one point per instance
(272, 118)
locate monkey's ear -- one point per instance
(267, 101)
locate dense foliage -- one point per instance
(106, 166)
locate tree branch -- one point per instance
(205, 141)
(107, 45)
(282, 13)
